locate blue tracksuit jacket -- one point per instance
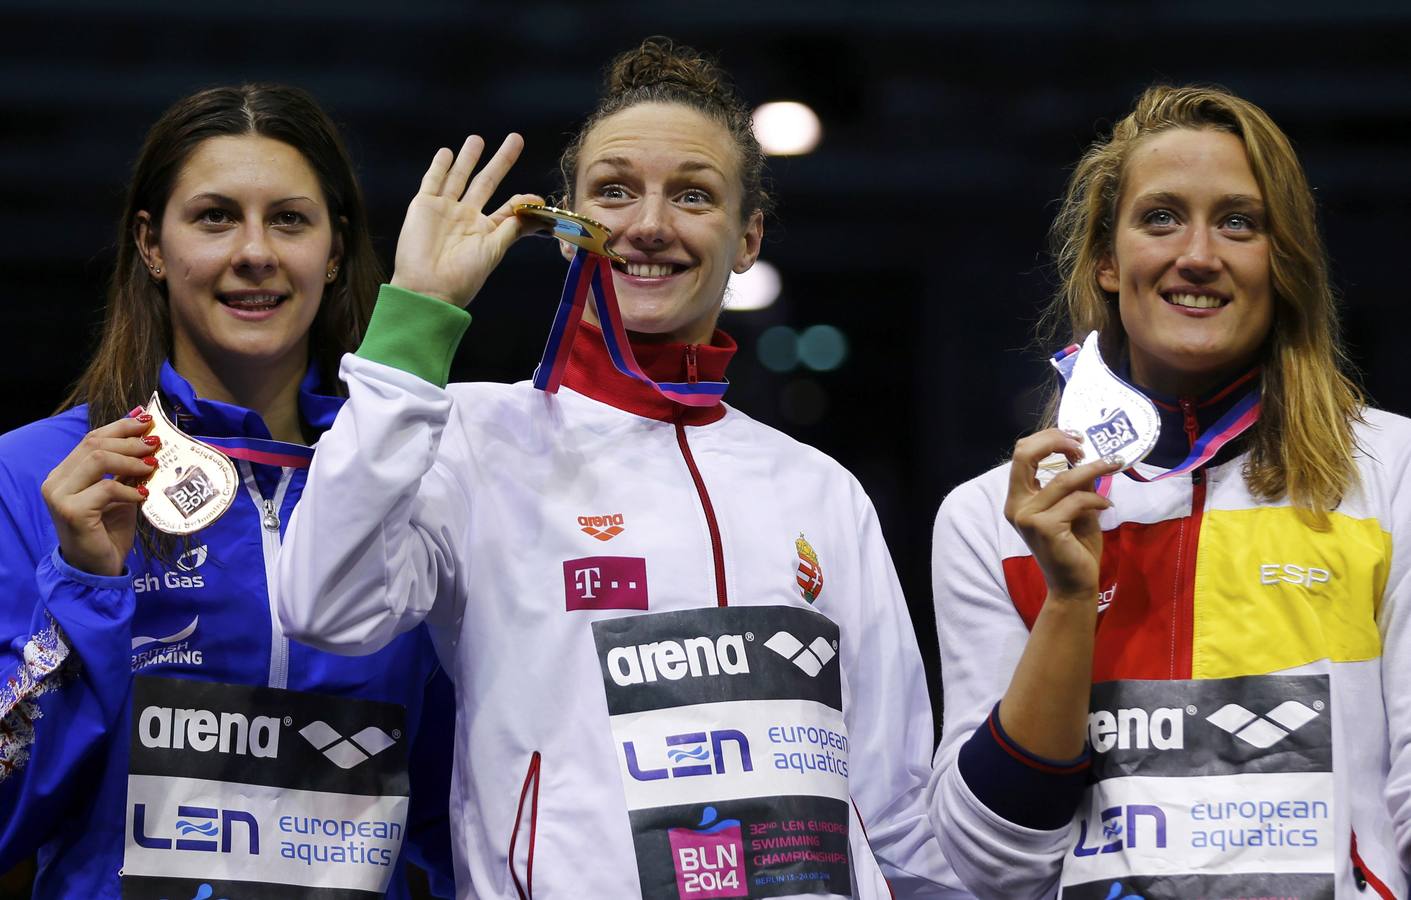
(71, 645)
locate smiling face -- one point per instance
(245, 246)
(1190, 261)
(666, 179)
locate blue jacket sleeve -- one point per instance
(429, 813)
(64, 670)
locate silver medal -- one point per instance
(1114, 419)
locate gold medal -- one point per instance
(580, 231)
(193, 483)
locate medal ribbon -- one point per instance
(1235, 422)
(259, 450)
(590, 269)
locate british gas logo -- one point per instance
(696, 657)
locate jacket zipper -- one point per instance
(1192, 424)
(1183, 612)
(717, 547)
(269, 545)
(692, 372)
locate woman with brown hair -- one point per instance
(1179, 684)
(161, 736)
(684, 665)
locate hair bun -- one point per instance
(661, 61)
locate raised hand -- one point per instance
(1059, 521)
(93, 495)
(448, 245)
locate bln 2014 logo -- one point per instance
(709, 858)
(192, 492)
(1113, 433)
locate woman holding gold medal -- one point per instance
(1184, 683)
(161, 736)
(653, 700)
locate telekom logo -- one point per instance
(605, 582)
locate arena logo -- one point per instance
(1267, 730)
(190, 821)
(695, 657)
(810, 659)
(165, 728)
(604, 528)
(1136, 728)
(345, 753)
(1119, 829)
(695, 753)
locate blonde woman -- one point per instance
(1181, 689)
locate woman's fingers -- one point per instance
(488, 180)
(125, 458)
(118, 449)
(435, 178)
(466, 159)
(1079, 478)
(108, 493)
(1029, 452)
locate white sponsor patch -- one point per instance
(1212, 824)
(250, 832)
(712, 752)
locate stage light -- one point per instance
(778, 348)
(755, 289)
(786, 128)
(822, 348)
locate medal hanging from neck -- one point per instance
(1117, 421)
(592, 268)
(193, 484)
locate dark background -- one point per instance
(917, 227)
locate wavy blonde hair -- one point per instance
(1303, 444)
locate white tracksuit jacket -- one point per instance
(1251, 708)
(649, 703)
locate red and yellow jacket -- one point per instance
(1242, 656)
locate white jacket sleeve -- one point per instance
(981, 639)
(370, 549)
(890, 729)
(1394, 621)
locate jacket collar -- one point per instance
(1185, 419)
(212, 418)
(590, 372)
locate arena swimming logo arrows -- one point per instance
(345, 753)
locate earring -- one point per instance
(156, 270)
(332, 272)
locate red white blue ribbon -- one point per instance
(266, 452)
(590, 269)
